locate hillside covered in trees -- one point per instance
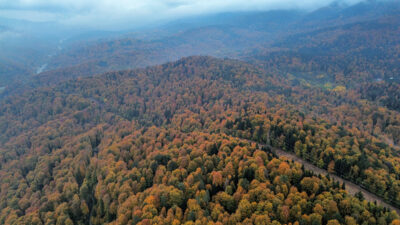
(177, 124)
(350, 45)
(167, 144)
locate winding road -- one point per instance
(351, 187)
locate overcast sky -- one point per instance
(108, 14)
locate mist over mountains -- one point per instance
(34, 47)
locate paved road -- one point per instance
(351, 187)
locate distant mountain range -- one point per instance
(333, 29)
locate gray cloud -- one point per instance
(114, 14)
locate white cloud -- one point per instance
(109, 13)
(8, 35)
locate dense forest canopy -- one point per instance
(175, 118)
(123, 130)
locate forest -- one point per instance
(167, 144)
(178, 125)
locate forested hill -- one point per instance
(166, 145)
(122, 130)
(351, 44)
(350, 54)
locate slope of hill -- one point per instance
(363, 51)
(93, 141)
(158, 144)
(355, 39)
